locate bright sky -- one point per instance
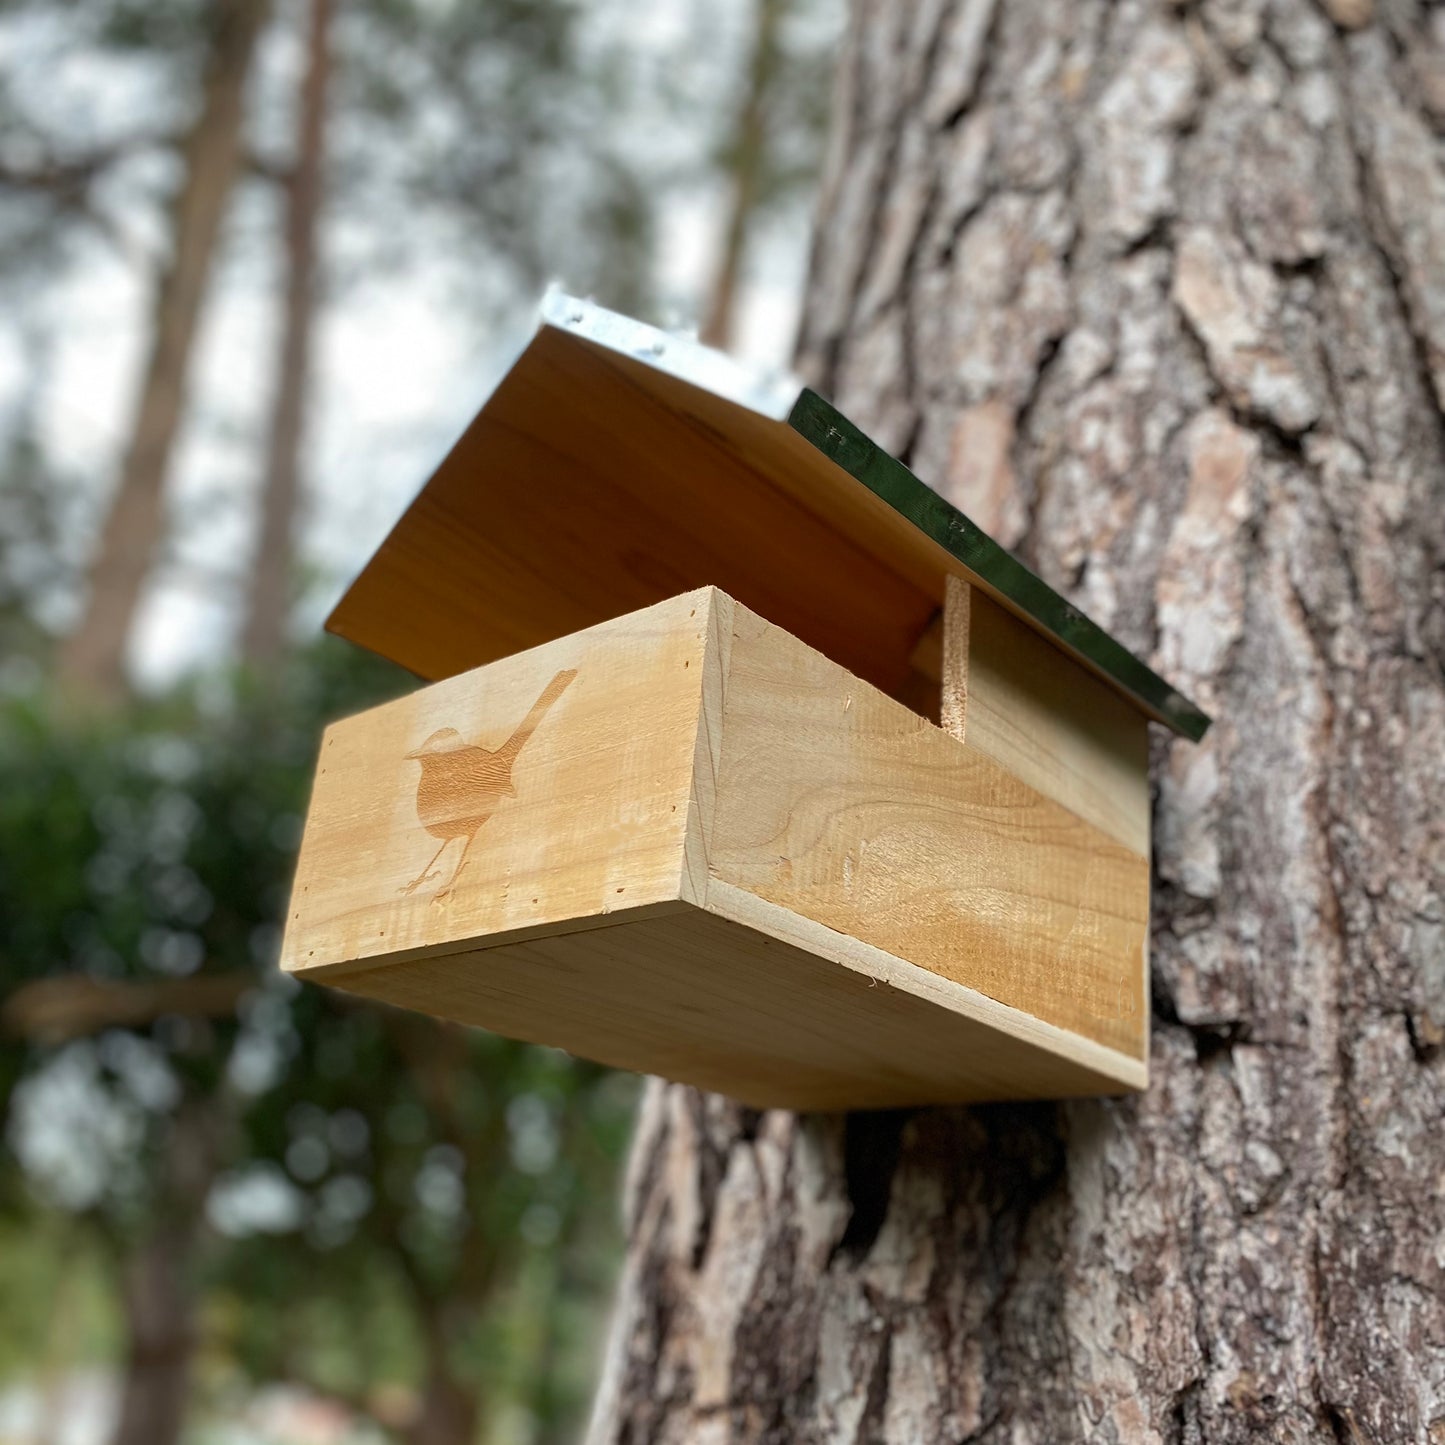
(399, 371)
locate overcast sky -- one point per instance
(400, 366)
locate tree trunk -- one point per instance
(160, 1340)
(270, 582)
(93, 658)
(1154, 291)
(158, 1297)
(747, 167)
(448, 1412)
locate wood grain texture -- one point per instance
(590, 817)
(685, 843)
(951, 658)
(720, 1002)
(844, 807)
(592, 483)
(641, 501)
(1007, 692)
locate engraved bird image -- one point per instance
(462, 783)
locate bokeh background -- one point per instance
(259, 264)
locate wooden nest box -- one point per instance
(747, 760)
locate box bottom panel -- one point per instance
(715, 1002)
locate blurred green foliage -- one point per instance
(46, 1261)
(491, 120)
(363, 1198)
(413, 1219)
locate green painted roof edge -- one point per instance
(783, 397)
(826, 428)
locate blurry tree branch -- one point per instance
(92, 659)
(68, 177)
(68, 183)
(50, 1011)
(264, 167)
(747, 161)
(269, 591)
(159, 1298)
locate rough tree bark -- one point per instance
(93, 657)
(269, 589)
(1156, 291)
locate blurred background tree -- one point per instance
(258, 261)
(218, 1139)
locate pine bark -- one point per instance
(1156, 292)
(93, 657)
(269, 591)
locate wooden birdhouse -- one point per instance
(746, 760)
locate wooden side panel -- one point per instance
(546, 788)
(1044, 716)
(1049, 720)
(953, 659)
(841, 805)
(718, 1003)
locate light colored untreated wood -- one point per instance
(591, 819)
(844, 807)
(683, 842)
(953, 633)
(617, 495)
(726, 1000)
(593, 482)
(1008, 692)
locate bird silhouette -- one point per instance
(462, 783)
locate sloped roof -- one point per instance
(617, 465)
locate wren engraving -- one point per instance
(462, 783)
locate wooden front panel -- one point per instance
(542, 789)
(843, 806)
